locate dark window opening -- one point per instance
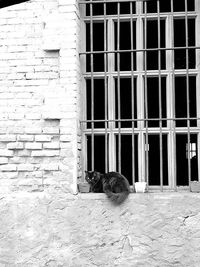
(95, 104)
(97, 9)
(156, 105)
(179, 5)
(152, 41)
(182, 161)
(127, 41)
(98, 45)
(99, 153)
(182, 60)
(152, 6)
(165, 6)
(184, 104)
(154, 159)
(111, 9)
(126, 102)
(128, 156)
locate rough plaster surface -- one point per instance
(58, 229)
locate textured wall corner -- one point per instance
(40, 229)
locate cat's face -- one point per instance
(92, 177)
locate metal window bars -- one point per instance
(141, 90)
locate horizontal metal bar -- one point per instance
(150, 73)
(148, 16)
(128, 131)
(145, 119)
(111, 1)
(140, 50)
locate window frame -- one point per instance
(141, 75)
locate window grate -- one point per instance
(141, 75)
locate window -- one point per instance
(141, 80)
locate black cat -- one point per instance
(95, 181)
(113, 184)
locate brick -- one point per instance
(6, 95)
(54, 145)
(50, 167)
(43, 138)
(23, 95)
(66, 138)
(51, 130)
(65, 145)
(3, 160)
(8, 168)
(6, 153)
(27, 102)
(16, 116)
(67, 153)
(16, 130)
(37, 174)
(17, 146)
(9, 175)
(24, 153)
(45, 153)
(33, 146)
(3, 117)
(33, 130)
(25, 138)
(66, 130)
(50, 115)
(42, 75)
(33, 116)
(25, 167)
(17, 160)
(33, 174)
(8, 138)
(3, 130)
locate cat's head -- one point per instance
(92, 177)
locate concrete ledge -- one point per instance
(55, 228)
(99, 196)
(152, 195)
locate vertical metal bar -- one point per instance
(92, 84)
(187, 93)
(118, 86)
(132, 95)
(173, 99)
(145, 96)
(83, 125)
(140, 91)
(105, 89)
(111, 96)
(197, 32)
(160, 97)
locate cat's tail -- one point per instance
(117, 198)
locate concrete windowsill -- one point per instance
(154, 195)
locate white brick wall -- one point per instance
(39, 93)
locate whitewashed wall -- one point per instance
(39, 97)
